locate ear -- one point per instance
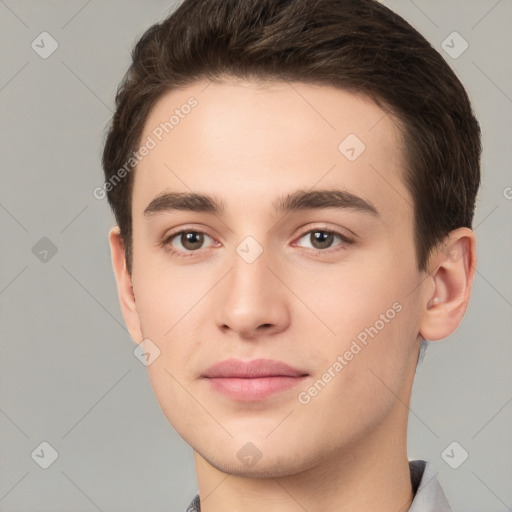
(452, 268)
(124, 285)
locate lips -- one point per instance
(252, 380)
(257, 368)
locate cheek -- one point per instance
(344, 301)
(171, 321)
(170, 310)
(366, 317)
(369, 369)
(164, 295)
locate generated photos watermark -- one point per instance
(151, 142)
(356, 346)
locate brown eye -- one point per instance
(192, 240)
(322, 239)
(186, 241)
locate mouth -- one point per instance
(253, 380)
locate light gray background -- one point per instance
(69, 376)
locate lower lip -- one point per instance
(253, 389)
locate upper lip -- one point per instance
(236, 368)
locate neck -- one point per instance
(372, 474)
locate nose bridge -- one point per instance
(252, 295)
(250, 276)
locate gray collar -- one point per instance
(428, 493)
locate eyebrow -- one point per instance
(296, 201)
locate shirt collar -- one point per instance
(428, 493)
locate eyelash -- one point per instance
(345, 241)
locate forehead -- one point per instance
(249, 142)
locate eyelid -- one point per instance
(337, 231)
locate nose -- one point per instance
(252, 300)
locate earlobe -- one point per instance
(452, 270)
(124, 285)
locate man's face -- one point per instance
(256, 281)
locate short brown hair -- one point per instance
(357, 45)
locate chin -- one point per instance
(267, 461)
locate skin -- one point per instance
(247, 144)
